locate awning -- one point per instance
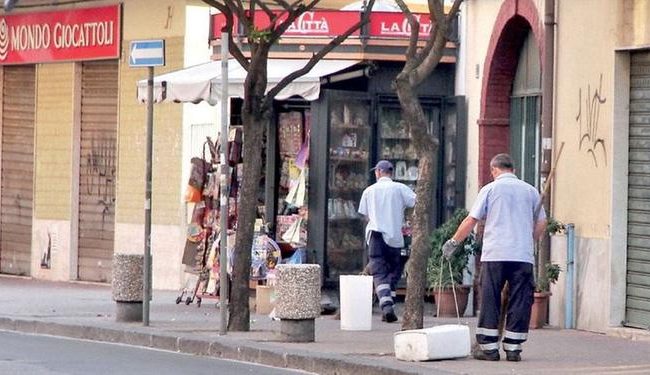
(203, 82)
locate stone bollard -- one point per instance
(298, 301)
(128, 287)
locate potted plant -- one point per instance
(539, 311)
(445, 298)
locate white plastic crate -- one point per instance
(440, 342)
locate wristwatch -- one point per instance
(453, 242)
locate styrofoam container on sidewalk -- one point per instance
(440, 342)
(356, 302)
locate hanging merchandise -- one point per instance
(290, 132)
(197, 178)
(297, 190)
(265, 255)
(201, 252)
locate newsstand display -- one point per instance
(352, 131)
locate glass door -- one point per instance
(348, 171)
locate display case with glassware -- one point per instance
(348, 171)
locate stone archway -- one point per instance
(515, 19)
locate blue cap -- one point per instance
(384, 166)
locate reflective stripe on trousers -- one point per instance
(494, 275)
(384, 264)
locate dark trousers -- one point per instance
(494, 275)
(385, 266)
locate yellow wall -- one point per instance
(584, 115)
(54, 124)
(143, 21)
(633, 28)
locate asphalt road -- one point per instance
(47, 355)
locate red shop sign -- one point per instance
(395, 25)
(74, 34)
(309, 24)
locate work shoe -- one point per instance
(491, 355)
(389, 317)
(513, 355)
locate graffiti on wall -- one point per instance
(587, 119)
(99, 173)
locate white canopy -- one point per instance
(203, 82)
(380, 6)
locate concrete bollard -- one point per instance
(128, 287)
(298, 301)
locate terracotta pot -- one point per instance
(445, 298)
(539, 311)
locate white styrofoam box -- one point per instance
(440, 342)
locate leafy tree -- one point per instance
(256, 114)
(420, 63)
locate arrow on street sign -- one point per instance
(147, 53)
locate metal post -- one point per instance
(570, 275)
(147, 203)
(223, 163)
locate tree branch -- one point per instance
(233, 48)
(319, 55)
(265, 8)
(437, 41)
(415, 29)
(454, 10)
(293, 14)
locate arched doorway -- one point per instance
(516, 37)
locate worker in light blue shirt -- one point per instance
(383, 203)
(514, 221)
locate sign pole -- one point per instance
(147, 53)
(147, 203)
(223, 163)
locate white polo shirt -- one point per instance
(508, 205)
(383, 203)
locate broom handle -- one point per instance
(547, 183)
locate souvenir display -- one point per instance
(202, 248)
(290, 132)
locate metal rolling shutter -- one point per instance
(637, 312)
(97, 170)
(18, 106)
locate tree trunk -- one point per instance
(255, 118)
(426, 146)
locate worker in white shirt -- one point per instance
(514, 221)
(383, 203)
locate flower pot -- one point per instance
(539, 311)
(445, 300)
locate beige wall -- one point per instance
(633, 29)
(165, 20)
(584, 115)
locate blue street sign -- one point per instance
(147, 53)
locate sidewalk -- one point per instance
(86, 311)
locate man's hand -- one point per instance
(449, 248)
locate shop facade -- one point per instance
(599, 112)
(73, 134)
(354, 122)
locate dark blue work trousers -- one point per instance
(494, 275)
(385, 266)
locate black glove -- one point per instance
(449, 248)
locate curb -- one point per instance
(223, 347)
